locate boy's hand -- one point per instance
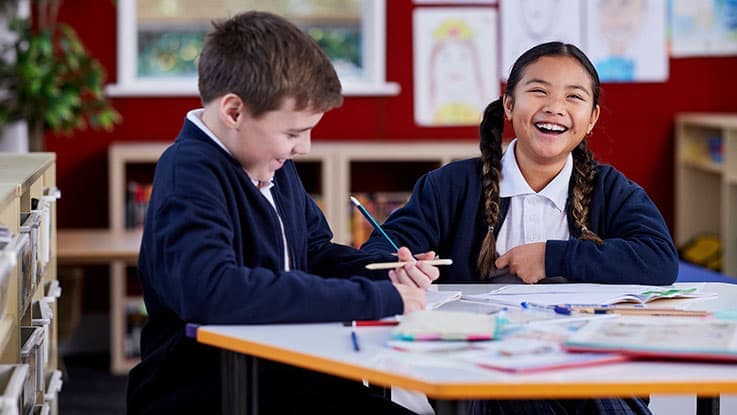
(413, 297)
(416, 273)
(525, 261)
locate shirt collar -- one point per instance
(514, 184)
(195, 116)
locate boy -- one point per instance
(231, 236)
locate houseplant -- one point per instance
(53, 82)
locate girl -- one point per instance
(542, 211)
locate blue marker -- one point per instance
(541, 307)
(354, 337)
(373, 222)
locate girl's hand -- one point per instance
(525, 261)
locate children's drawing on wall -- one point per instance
(703, 28)
(454, 64)
(627, 40)
(526, 23)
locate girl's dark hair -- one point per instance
(490, 131)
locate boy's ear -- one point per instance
(232, 110)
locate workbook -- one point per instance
(527, 356)
(445, 325)
(665, 337)
(586, 294)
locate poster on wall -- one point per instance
(526, 23)
(626, 41)
(703, 28)
(455, 68)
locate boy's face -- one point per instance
(264, 144)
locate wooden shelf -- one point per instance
(97, 246)
(705, 193)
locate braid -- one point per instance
(491, 158)
(584, 173)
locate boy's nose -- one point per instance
(304, 144)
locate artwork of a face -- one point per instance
(538, 17)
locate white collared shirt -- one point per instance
(532, 216)
(195, 116)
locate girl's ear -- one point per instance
(232, 110)
(508, 103)
(594, 118)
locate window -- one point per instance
(159, 41)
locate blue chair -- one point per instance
(694, 273)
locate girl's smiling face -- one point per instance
(551, 110)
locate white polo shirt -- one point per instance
(195, 116)
(532, 216)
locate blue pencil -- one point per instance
(373, 222)
(354, 337)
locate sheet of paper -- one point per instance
(577, 294)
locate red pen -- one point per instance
(366, 323)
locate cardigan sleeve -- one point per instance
(637, 246)
(195, 274)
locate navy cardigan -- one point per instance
(212, 253)
(446, 214)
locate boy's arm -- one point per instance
(194, 271)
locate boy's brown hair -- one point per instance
(265, 59)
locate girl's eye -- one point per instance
(578, 97)
(537, 91)
(291, 135)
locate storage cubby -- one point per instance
(706, 181)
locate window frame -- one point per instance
(373, 26)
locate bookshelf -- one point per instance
(706, 181)
(28, 296)
(331, 172)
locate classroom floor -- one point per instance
(89, 388)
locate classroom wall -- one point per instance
(635, 132)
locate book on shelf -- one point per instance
(660, 337)
(381, 205)
(136, 203)
(135, 318)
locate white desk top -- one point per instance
(327, 348)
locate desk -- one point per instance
(327, 348)
(118, 249)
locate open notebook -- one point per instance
(678, 338)
(585, 294)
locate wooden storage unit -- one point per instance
(331, 171)
(28, 330)
(706, 181)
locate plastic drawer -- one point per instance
(54, 383)
(32, 338)
(18, 251)
(14, 398)
(41, 317)
(6, 266)
(41, 409)
(30, 226)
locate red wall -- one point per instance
(635, 132)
